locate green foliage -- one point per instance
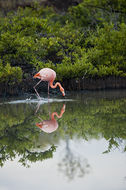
(91, 13)
(10, 74)
(106, 50)
(88, 40)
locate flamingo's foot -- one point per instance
(39, 98)
(28, 99)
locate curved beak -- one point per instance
(64, 106)
(63, 93)
(39, 125)
(37, 75)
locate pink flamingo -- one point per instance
(49, 75)
(51, 125)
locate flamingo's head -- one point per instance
(37, 76)
(64, 107)
(62, 90)
(39, 125)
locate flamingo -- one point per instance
(51, 125)
(49, 75)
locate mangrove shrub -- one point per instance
(88, 40)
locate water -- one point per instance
(81, 145)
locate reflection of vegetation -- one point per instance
(95, 118)
(72, 165)
(85, 118)
(18, 135)
(37, 156)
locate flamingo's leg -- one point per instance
(48, 88)
(37, 108)
(36, 90)
(48, 92)
(40, 119)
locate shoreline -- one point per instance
(26, 86)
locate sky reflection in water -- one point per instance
(86, 150)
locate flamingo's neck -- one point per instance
(54, 86)
(60, 115)
(57, 84)
(55, 113)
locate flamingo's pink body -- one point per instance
(51, 125)
(48, 75)
(48, 126)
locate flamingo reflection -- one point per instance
(51, 125)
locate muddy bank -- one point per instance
(95, 83)
(71, 85)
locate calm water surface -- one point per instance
(76, 142)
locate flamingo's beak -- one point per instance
(63, 93)
(62, 90)
(64, 106)
(37, 75)
(39, 125)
